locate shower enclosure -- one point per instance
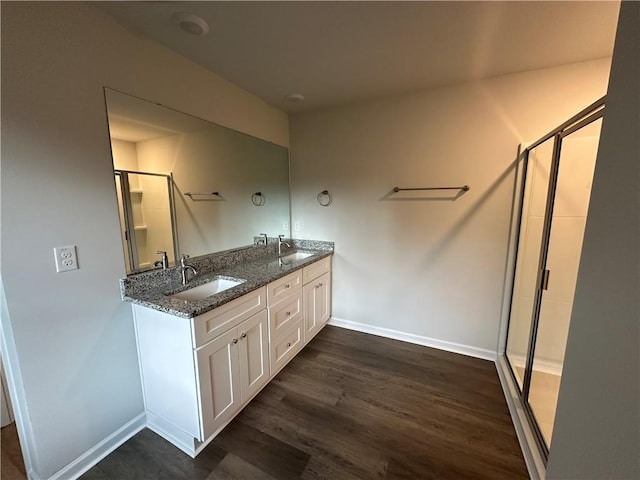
(556, 186)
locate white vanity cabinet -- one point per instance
(198, 373)
(285, 319)
(316, 294)
(230, 370)
(298, 309)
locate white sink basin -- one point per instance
(294, 257)
(206, 290)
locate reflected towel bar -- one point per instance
(191, 194)
(464, 187)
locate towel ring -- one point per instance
(258, 199)
(324, 198)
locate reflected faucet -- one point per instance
(184, 268)
(263, 240)
(280, 243)
(164, 261)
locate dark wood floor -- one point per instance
(11, 463)
(351, 406)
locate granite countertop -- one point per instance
(256, 272)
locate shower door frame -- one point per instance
(588, 115)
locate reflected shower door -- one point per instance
(538, 167)
(571, 201)
(146, 218)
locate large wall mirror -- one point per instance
(186, 185)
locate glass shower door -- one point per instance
(537, 171)
(558, 172)
(571, 201)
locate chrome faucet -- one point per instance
(184, 268)
(280, 243)
(164, 261)
(263, 240)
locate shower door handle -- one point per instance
(545, 279)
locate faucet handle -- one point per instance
(161, 252)
(183, 257)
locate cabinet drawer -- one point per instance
(284, 349)
(211, 324)
(283, 287)
(284, 314)
(316, 269)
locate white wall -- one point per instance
(597, 427)
(431, 268)
(72, 336)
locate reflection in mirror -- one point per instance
(199, 158)
(145, 204)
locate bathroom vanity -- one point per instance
(202, 360)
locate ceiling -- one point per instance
(337, 52)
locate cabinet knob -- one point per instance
(244, 335)
(235, 340)
(286, 286)
(288, 313)
(288, 344)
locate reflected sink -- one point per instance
(294, 257)
(208, 289)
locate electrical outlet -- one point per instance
(296, 226)
(285, 226)
(66, 258)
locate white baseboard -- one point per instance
(90, 458)
(175, 435)
(417, 339)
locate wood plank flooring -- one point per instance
(351, 406)
(11, 463)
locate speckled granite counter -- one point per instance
(256, 265)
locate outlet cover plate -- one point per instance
(66, 258)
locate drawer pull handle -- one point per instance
(288, 344)
(319, 285)
(286, 286)
(244, 335)
(288, 313)
(235, 340)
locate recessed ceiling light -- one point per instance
(190, 23)
(295, 98)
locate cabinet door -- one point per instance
(218, 374)
(317, 305)
(253, 349)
